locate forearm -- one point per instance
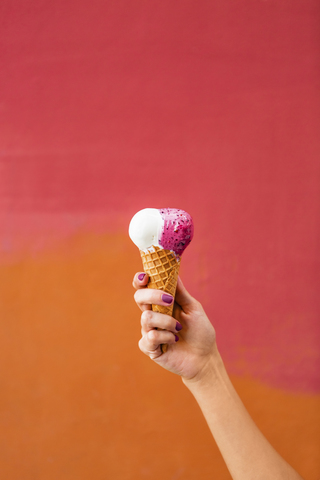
(246, 451)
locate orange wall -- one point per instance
(79, 400)
(110, 107)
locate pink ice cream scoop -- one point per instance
(168, 228)
(177, 230)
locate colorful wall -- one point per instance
(108, 107)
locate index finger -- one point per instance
(140, 280)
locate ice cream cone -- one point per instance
(162, 267)
(162, 235)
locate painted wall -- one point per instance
(110, 107)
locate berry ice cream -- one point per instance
(167, 228)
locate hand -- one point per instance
(190, 348)
(196, 358)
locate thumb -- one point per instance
(183, 297)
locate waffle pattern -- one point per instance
(163, 269)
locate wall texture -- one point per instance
(107, 107)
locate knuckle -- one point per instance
(136, 296)
(152, 336)
(146, 316)
(140, 343)
(198, 306)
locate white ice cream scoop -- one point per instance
(145, 228)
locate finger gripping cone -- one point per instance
(162, 267)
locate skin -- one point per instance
(193, 354)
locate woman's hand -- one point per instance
(195, 357)
(188, 333)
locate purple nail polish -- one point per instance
(167, 298)
(178, 326)
(176, 337)
(141, 276)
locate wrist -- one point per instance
(212, 370)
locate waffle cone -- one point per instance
(162, 267)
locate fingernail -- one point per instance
(176, 337)
(141, 276)
(178, 326)
(167, 298)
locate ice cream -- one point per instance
(162, 235)
(167, 228)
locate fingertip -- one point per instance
(167, 299)
(140, 280)
(141, 277)
(178, 326)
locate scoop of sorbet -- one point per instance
(167, 228)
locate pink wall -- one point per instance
(213, 107)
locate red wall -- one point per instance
(110, 107)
